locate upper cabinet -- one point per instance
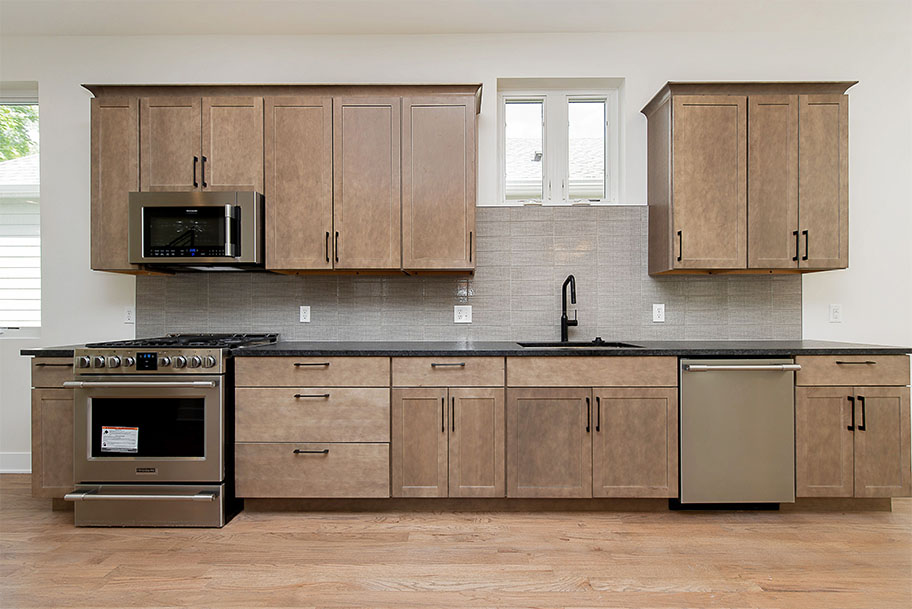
(748, 177)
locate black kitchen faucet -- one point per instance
(565, 323)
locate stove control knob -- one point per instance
(128, 362)
(195, 361)
(180, 361)
(84, 361)
(113, 362)
(164, 362)
(98, 362)
(208, 362)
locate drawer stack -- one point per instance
(312, 427)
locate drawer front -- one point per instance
(345, 471)
(312, 414)
(49, 372)
(312, 372)
(448, 371)
(592, 371)
(852, 370)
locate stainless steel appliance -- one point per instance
(737, 431)
(154, 431)
(196, 229)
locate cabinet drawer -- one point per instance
(344, 471)
(312, 414)
(852, 370)
(592, 371)
(51, 371)
(313, 372)
(448, 371)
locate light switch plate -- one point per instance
(658, 313)
(835, 313)
(462, 314)
(304, 314)
(129, 315)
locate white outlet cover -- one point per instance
(658, 313)
(304, 314)
(129, 315)
(462, 314)
(835, 313)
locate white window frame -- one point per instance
(555, 141)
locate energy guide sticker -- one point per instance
(120, 439)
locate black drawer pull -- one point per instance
(443, 415)
(46, 365)
(298, 451)
(866, 362)
(453, 415)
(598, 413)
(311, 395)
(864, 418)
(852, 402)
(300, 364)
(470, 246)
(795, 257)
(336, 247)
(203, 171)
(436, 365)
(195, 161)
(680, 246)
(588, 415)
(327, 246)
(806, 246)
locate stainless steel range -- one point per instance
(154, 430)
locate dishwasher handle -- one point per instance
(741, 367)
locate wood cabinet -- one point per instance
(748, 176)
(853, 440)
(447, 442)
(298, 156)
(209, 143)
(52, 427)
(438, 183)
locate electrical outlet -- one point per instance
(129, 315)
(304, 314)
(658, 313)
(462, 314)
(835, 313)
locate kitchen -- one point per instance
(524, 253)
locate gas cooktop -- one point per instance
(202, 341)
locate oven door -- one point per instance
(149, 429)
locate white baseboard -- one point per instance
(15, 463)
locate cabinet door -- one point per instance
(232, 143)
(635, 443)
(476, 461)
(823, 181)
(170, 143)
(419, 442)
(549, 443)
(823, 442)
(298, 183)
(115, 172)
(366, 181)
(438, 183)
(709, 181)
(773, 182)
(52, 442)
(882, 454)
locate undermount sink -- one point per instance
(598, 343)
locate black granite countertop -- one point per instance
(724, 348)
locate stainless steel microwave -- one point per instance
(196, 229)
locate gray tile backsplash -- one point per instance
(524, 254)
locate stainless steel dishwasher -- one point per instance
(737, 431)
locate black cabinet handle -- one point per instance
(470, 246)
(436, 365)
(852, 402)
(336, 246)
(864, 417)
(195, 161)
(298, 451)
(453, 414)
(866, 363)
(680, 246)
(598, 413)
(203, 164)
(588, 415)
(310, 395)
(806, 246)
(443, 415)
(795, 257)
(327, 246)
(300, 364)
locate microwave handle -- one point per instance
(231, 214)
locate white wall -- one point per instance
(81, 305)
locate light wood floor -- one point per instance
(460, 559)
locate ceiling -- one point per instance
(295, 17)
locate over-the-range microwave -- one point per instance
(196, 230)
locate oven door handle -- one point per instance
(92, 496)
(136, 384)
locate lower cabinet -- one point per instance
(852, 442)
(602, 442)
(447, 442)
(52, 427)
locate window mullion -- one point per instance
(556, 132)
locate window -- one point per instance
(559, 140)
(20, 245)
